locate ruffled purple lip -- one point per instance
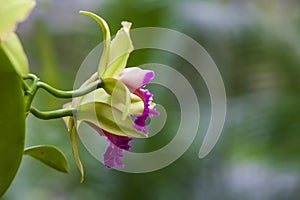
(112, 156)
(140, 120)
(117, 144)
(115, 150)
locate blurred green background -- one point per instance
(256, 47)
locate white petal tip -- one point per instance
(126, 25)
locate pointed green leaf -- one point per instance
(121, 47)
(14, 51)
(106, 37)
(12, 12)
(120, 94)
(74, 142)
(12, 122)
(49, 155)
(109, 119)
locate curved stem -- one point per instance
(52, 114)
(25, 86)
(31, 76)
(30, 91)
(69, 94)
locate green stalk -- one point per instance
(73, 93)
(31, 90)
(54, 114)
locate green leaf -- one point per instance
(12, 122)
(12, 12)
(119, 94)
(49, 155)
(109, 119)
(74, 142)
(121, 47)
(106, 37)
(14, 51)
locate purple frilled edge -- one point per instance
(117, 144)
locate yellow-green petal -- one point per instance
(119, 93)
(106, 37)
(121, 47)
(100, 95)
(109, 119)
(72, 128)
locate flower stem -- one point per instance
(31, 89)
(52, 114)
(73, 93)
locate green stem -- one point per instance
(30, 91)
(31, 76)
(25, 86)
(69, 94)
(54, 114)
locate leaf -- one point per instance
(14, 51)
(121, 47)
(49, 155)
(109, 119)
(74, 142)
(106, 37)
(119, 94)
(12, 122)
(12, 12)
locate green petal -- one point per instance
(109, 119)
(77, 101)
(136, 105)
(120, 94)
(100, 95)
(121, 47)
(106, 34)
(14, 51)
(74, 142)
(12, 12)
(12, 121)
(49, 155)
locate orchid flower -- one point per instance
(120, 108)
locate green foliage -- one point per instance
(14, 51)
(49, 155)
(12, 122)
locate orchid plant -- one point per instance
(113, 101)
